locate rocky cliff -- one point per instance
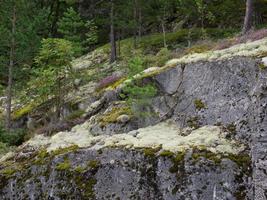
(207, 139)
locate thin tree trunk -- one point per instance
(119, 43)
(55, 20)
(135, 10)
(10, 70)
(140, 23)
(164, 33)
(113, 55)
(58, 106)
(249, 17)
(163, 28)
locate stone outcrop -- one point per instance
(213, 145)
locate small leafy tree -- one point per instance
(71, 26)
(83, 35)
(54, 66)
(138, 93)
(204, 14)
(91, 37)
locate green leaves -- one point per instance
(55, 53)
(82, 34)
(137, 93)
(54, 64)
(91, 36)
(135, 66)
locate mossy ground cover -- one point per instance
(114, 113)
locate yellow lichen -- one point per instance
(23, 111)
(64, 165)
(112, 116)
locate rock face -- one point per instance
(231, 94)
(124, 174)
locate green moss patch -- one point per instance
(66, 165)
(199, 104)
(193, 122)
(94, 164)
(112, 116)
(177, 161)
(23, 111)
(60, 151)
(167, 154)
(204, 153)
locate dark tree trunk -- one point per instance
(135, 23)
(113, 55)
(140, 23)
(248, 22)
(56, 18)
(10, 70)
(119, 43)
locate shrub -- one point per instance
(13, 138)
(3, 148)
(135, 66)
(138, 97)
(163, 56)
(138, 94)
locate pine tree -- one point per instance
(91, 35)
(19, 41)
(54, 64)
(71, 26)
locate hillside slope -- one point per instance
(205, 138)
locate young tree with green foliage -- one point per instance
(82, 34)
(19, 39)
(71, 26)
(138, 93)
(204, 14)
(91, 35)
(54, 66)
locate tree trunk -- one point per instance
(140, 22)
(135, 23)
(163, 27)
(164, 33)
(10, 70)
(113, 55)
(55, 20)
(119, 43)
(58, 99)
(249, 17)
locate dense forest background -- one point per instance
(87, 23)
(39, 38)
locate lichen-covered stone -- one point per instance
(124, 174)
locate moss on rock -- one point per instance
(199, 104)
(114, 113)
(66, 165)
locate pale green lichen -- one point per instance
(251, 49)
(166, 135)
